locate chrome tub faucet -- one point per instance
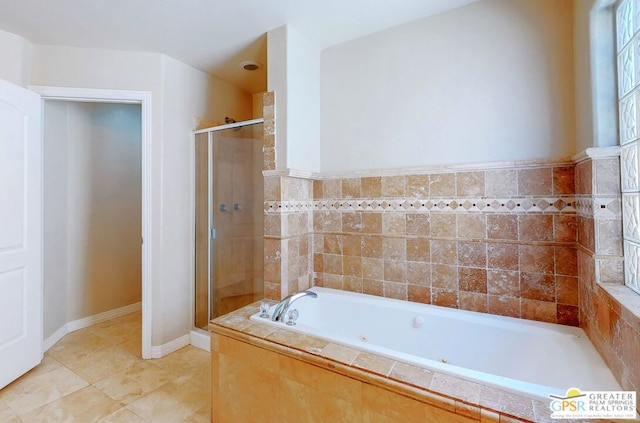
(283, 306)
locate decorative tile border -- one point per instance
(561, 204)
(599, 207)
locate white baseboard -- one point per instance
(200, 339)
(55, 337)
(165, 349)
(89, 321)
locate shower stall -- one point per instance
(229, 216)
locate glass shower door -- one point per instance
(229, 269)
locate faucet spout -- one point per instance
(283, 306)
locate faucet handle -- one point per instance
(264, 309)
(291, 317)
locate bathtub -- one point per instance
(530, 358)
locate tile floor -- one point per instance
(96, 375)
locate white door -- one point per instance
(20, 232)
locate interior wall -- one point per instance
(180, 94)
(583, 74)
(16, 58)
(92, 209)
(294, 74)
(490, 81)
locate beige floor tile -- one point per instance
(33, 391)
(201, 416)
(6, 414)
(76, 345)
(98, 364)
(133, 348)
(185, 361)
(87, 405)
(122, 416)
(47, 364)
(134, 382)
(120, 334)
(172, 402)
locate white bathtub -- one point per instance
(522, 356)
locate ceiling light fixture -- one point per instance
(251, 66)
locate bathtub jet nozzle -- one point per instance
(283, 306)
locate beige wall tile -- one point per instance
(419, 273)
(443, 225)
(501, 183)
(372, 223)
(473, 301)
(503, 283)
(504, 306)
(537, 181)
(417, 224)
(371, 187)
(565, 228)
(535, 227)
(372, 246)
(542, 311)
(394, 224)
(470, 184)
(472, 254)
(418, 249)
(351, 188)
(393, 186)
(442, 185)
(535, 286)
(536, 259)
(564, 180)
(444, 276)
(395, 271)
(503, 256)
(395, 290)
(419, 294)
(444, 297)
(394, 248)
(332, 188)
(472, 279)
(471, 226)
(414, 375)
(417, 186)
(444, 252)
(502, 226)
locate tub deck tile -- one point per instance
(509, 403)
(340, 353)
(455, 387)
(414, 375)
(300, 341)
(374, 363)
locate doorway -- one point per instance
(99, 187)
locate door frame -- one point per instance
(143, 98)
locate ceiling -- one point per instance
(214, 36)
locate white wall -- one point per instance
(16, 58)
(179, 95)
(92, 210)
(490, 81)
(55, 218)
(595, 74)
(294, 75)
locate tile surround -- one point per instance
(607, 312)
(433, 237)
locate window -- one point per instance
(627, 23)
